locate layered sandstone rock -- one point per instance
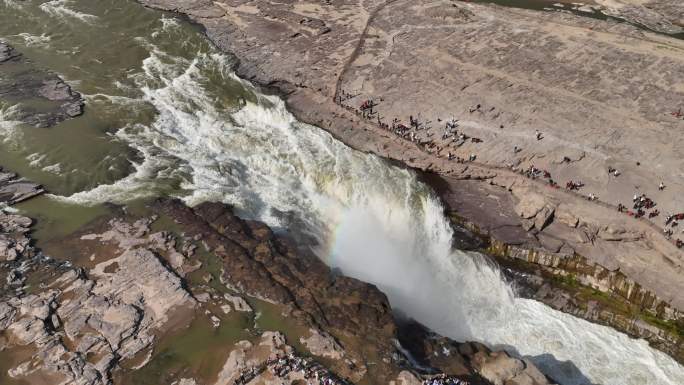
(81, 324)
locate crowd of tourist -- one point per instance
(313, 372)
(451, 137)
(444, 380)
(283, 365)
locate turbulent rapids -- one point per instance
(372, 220)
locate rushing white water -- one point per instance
(374, 221)
(10, 133)
(12, 4)
(60, 9)
(42, 40)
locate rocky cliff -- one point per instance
(134, 285)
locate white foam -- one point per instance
(53, 169)
(36, 159)
(114, 99)
(30, 40)
(12, 4)
(59, 9)
(374, 221)
(8, 209)
(169, 23)
(11, 134)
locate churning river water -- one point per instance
(164, 117)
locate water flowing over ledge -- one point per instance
(374, 221)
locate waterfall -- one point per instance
(372, 220)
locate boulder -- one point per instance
(530, 205)
(322, 344)
(544, 217)
(239, 303)
(565, 216)
(501, 369)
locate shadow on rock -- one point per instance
(561, 372)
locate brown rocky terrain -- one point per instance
(533, 100)
(43, 98)
(126, 286)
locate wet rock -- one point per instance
(454, 358)
(269, 267)
(7, 52)
(14, 190)
(54, 89)
(23, 82)
(260, 264)
(530, 205)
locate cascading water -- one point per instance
(374, 221)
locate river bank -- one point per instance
(357, 51)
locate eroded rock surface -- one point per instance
(84, 323)
(259, 264)
(348, 319)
